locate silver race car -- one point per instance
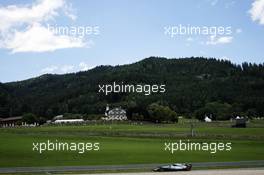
(174, 167)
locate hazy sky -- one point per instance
(121, 32)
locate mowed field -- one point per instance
(129, 144)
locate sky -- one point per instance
(64, 36)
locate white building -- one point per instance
(207, 119)
(115, 114)
(61, 121)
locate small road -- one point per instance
(125, 167)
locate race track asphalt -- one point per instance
(202, 172)
(203, 165)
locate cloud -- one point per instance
(213, 40)
(69, 11)
(43, 10)
(22, 29)
(257, 11)
(58, 69)
(62, 69)
(39, 39)
(225, 58)
(66, 68)
(49, 69)
(84, 67)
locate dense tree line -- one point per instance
(194, 87)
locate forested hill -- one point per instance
(192, 85)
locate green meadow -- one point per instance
(128, 144)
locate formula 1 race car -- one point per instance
(174, 167)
